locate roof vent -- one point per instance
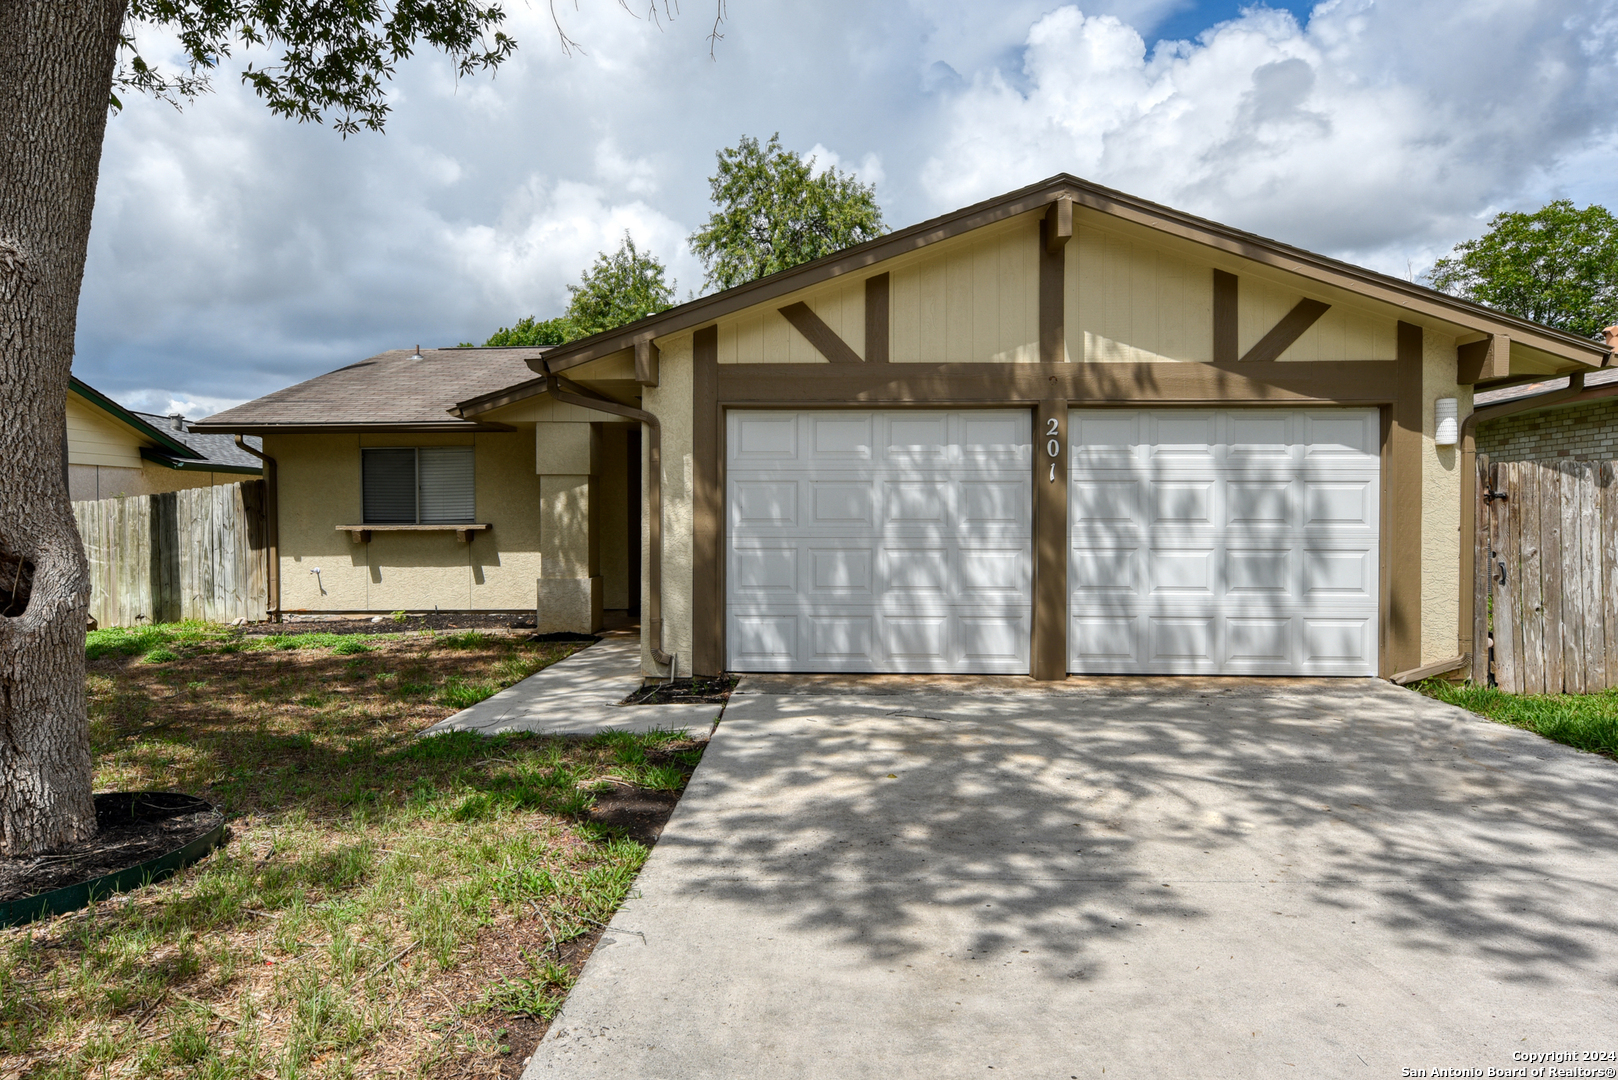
(418, 353)
(177, 421)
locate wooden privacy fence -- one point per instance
(1547, 565)
(194, 554)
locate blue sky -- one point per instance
(233, 253)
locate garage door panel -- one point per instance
(841, 503)
(1331, 435)
(913, 639)
(840, 439)
(1181, 436)
(1106, 504)
(759, 570)
(1102, 642)
(842, 637)
(1260, 504)
(891, 541)
(764, 439)
(1181, 572)
(763, 502)
(996, 641)
(1337, 503)
(1260, 438)
(1260, 641)
(764, 642)
(997, 574)
(1182, 503)
(1104, 438)
(1097, 575)
(1346, 643)
(1256, 553)
(916, 439)
(1338, 573)
(1181, 643)
(1260, 572)
(842, 573)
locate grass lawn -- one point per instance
(1585, 721)
(385, 905)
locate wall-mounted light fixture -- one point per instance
(1447, 426)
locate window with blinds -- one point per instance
(429, 485)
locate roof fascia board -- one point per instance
(157, 457)
(349, 429)
(129, 419)
(1402, 295)
(500, 398)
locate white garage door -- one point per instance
(1223, 541)
(878, 541)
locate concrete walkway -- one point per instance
(1156, 878)
(580, 696)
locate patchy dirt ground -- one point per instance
(386, 905)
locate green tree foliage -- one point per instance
(530, 332)
(334, 57)
(616, 290)
(772, 213)
(619, 288)
(1557, 265)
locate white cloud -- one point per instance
(868, 169)
(234, 252)
(1378, 131)
(167, 403)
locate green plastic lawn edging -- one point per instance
(73, 897)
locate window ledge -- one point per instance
(361, 534)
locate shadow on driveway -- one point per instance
(1158, 877)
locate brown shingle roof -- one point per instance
(397, 388)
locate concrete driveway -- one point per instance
(971, 878)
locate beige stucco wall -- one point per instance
(671, 402)
(1441, 505)
(319, 482)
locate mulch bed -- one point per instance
(129, 831)
(414, 622)
(715, 691)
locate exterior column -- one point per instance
(567, 457)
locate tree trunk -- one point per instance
(56, 66)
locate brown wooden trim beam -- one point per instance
(1403, 612)
(1291, 327)
(708, 508)
(648, 359)
(876, 319)
(1052, 288)
(1479, 360)
(818, 334)
(1354, 382)
(1226, 340)
(1047, 656)
(1058, 223)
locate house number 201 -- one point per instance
(1053, 445)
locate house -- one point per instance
(113, 451)
(1062, 430)
(1586, 428)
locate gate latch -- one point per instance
(1490, 496)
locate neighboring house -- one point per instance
(113, 451)
(1582, 429)
(1063, 430)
